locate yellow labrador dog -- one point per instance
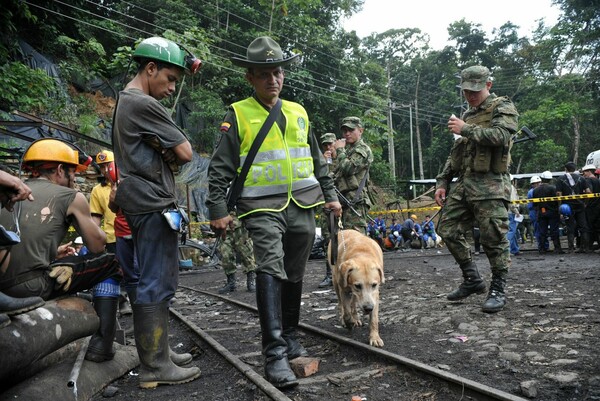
(357, 276)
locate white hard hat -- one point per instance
(534, 179)
(546, 175)
(588, 167)
(78, 241)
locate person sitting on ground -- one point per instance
(395, 235)
(428, 232)
(408, 229)
(13, 190)
(38, 265)
(418, 236)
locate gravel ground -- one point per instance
(544, 345)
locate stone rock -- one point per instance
(529, 388)
(510, 356)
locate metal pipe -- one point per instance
(72, 382)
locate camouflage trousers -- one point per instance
(237, 242)
(456, 225)
(351, 220)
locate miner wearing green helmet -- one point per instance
(148, 148)
(167, 51)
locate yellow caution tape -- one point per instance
(556, 198)
(431, 208)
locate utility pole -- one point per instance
(412, 152)
(391, 150)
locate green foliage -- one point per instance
(553, 76)
(82, 60)
(206, 115)
(545, 155)
(26, 89)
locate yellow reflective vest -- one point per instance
(283, 164)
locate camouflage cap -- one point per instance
(474, 78)
(351, 122)
(328, 138)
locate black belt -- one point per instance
(21, 278)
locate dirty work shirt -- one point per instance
(99, 206)
(45, 224)
(140, 124)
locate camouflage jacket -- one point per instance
(353, 163)
(472, 185)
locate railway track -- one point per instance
(347, 367)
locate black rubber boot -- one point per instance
(151, 330)
(268, 302)
(472, 283)
(229, 286)
(178, 359)
(251, 282)
(14, 306)
(557, 248)
(101, 348)
(327, 281)
(290, 316)
(496, 298)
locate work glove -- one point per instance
(63, 275)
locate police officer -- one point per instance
(288, 179)
(329, 153)
(353, 157)
(479, 160)
(237, 242)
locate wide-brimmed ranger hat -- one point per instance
(264, 52)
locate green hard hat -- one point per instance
(161, 49)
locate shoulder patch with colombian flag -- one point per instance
(225, 126)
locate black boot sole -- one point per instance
(478, 292)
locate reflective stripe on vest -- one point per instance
(284, 162)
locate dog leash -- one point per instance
(333, 227)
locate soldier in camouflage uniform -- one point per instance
(479, 159)
(237, 242)
(329, 153)
(353, 157)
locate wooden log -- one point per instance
(35, 334)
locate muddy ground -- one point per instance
(545, 345)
